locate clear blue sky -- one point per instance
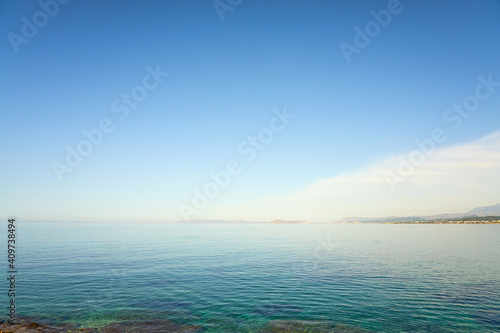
(225, 79)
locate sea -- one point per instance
(244, 277)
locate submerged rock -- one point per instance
(167, 326)
(306, 326)
(348, 329)
(278, 310)
(149, 326)
(28, 326)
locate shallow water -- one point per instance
(243, 278)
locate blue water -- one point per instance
(238, 278)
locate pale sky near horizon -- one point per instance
(312, 119)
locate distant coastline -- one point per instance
(478, 215)
(469, 220)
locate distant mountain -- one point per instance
(485, 211)
(476, 212)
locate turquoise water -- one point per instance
(237, 278)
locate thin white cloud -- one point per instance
(452, 179)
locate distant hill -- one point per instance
(485, 211)
(476, 212)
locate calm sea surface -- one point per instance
(239, 278)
